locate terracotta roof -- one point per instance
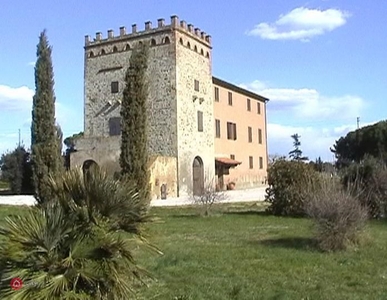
(227, 161)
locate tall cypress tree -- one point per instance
(134, 149)
(46, 156)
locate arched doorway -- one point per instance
(197, 176)
(89, 165)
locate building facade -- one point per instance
(181, 107)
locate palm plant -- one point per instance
(78, 246)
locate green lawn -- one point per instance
(241, 253)
(3, 185)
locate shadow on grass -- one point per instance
(247, 212)
(297, 243)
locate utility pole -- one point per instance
(358, 121)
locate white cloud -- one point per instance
(31, 63)
(14, 99)
(308, 103)
(319, 119)
(301, 24)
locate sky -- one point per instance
(321, 63)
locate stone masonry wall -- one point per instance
(193, 60)
(101, 104)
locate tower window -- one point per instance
(114, 126)
(248, 105)
(196, 85)
(200, 121)
(260, 136)
(250, 133)
(261, 162)
(231, 131)
(259, 108)
(114, 87)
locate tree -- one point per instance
(296, 154)
(78, 246)
(46, 157)
(134, 124)
(16, 170)
(366, 141)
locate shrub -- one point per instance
(368, 179)
(208, 197)
(79, 245)
(338, 215)
(290, 183)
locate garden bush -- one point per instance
(369, 180)
(290, 185)
(338, 215)
(80, 244)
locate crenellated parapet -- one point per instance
(175, 24)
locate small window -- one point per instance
(259, 108)
(201, 52)
(248, 105)
(115, 49)
(261, 162)
(260, 136)
(231, 131)
(208, 55)
(232, 156)
(229, 98)
(196, 85)
(114, 87)
(91, 54)
(217, 128)
(153, 42)
(167, 40)
(216, 94)
(102, 52)
(251, 162)
(181, 41)
(196, 49)
(127, 47)
(188, 45)
(250, 133)
(200, 121)
(115, 126)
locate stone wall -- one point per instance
(101, 104)
(193, 61)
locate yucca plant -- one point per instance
(79, 245)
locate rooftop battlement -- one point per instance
(161, 26)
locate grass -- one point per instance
(4, 185)
(241, 253)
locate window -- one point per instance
(114, 87)
(217, 128)
(259, 108)
(250, 134)
(216, 94)
(231, 131)
(232, 156)
(248, 105)
(261, 162)
(196, 85)
(260, 136)
(251, 162)
(229, 98)
(200, 121)
(115, 126)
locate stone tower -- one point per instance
(180, 104)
